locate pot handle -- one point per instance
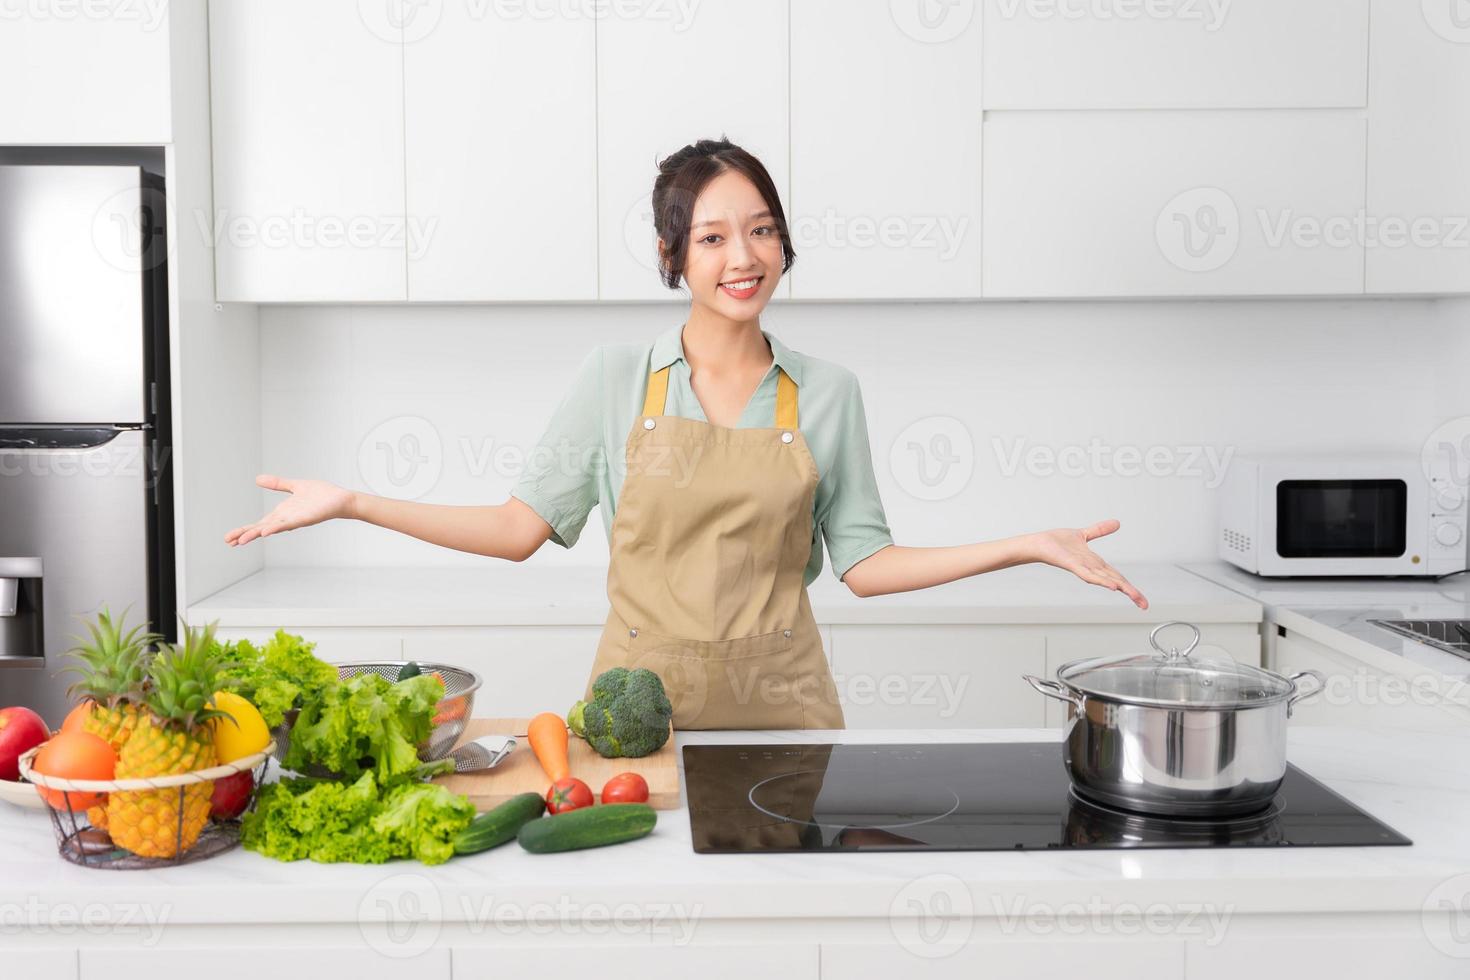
(1052, 689)
(1299, 676)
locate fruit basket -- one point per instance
(176, 825)
(450, 714)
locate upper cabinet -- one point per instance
(669, 75)
(1172, 203)
(1419, 148)
(885, 158)
(1164, 54)
(501, 128)
(84, 73)
(307, 114)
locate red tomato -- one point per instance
(231, 795)
(568, 794)
(626, 787)
(74, 755)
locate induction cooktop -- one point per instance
(997, 796)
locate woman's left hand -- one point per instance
(1066, 548)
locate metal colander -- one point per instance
(453, 712)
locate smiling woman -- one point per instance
(722, 461)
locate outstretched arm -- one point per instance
(901, 569)
(511, 530)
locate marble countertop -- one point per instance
(507, 594)
(1415, 781)
(1337, 612)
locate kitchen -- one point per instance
(1188, 266)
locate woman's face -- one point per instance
(732, 240)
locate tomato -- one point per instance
(231, 795)
(74, 755)
(626, 787)
(568, 794)
(77, 717)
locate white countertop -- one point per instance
(508, 594)
(1416, 782)
(1336, 612)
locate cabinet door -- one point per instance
(1218, 54)
(1166, 203)
(641, 959)
(307, 117)
(937, 676)
(666, 77)
(892, 209)
(500, 121)
(1240, 642)
(84, 73)
(1419, 148)
(525, 669)
(252, 962)
(934, 947)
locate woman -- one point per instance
(716, 454)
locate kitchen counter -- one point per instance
(663, 894)
(1336, 612)
(505, 594)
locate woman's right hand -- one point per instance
(310, 502)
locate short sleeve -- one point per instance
(849, 510)
(561, 476)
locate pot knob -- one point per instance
(1173, 653)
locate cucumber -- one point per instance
(408, 670)
(497, 826)
(590, 826)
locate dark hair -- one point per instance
(682, 176)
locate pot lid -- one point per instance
(1172, 676)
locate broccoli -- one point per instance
(628, 715)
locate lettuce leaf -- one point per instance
(282, 675)
(365, 724)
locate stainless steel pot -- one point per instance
(1163, 733)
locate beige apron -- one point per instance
(709, 544)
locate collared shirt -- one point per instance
(579, 463)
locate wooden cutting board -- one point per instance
(519, 772)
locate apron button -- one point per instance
(786, 437)
(633, 631)
(786, 632)
(648, 423)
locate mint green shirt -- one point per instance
(579, 463)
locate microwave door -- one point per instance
(72, 294)
(79, 500)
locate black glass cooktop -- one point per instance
(966, 796)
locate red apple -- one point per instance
(21, 730)
(231, 795)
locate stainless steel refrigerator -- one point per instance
(86, 508)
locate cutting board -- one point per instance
(519, 772)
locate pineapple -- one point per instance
(114, 673)
(171, 737)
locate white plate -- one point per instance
(21, 794)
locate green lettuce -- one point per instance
(279, 676)
(365, 724)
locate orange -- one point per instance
(74, 755)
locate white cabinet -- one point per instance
(379, 961)
(84, 73)
(1419, 148)
(1172, 203)
(938, 946)
(500, 124)
(640, 959)
(307, 115)
(42, 964)
(901, 676)
(525, 670)
(667, 78)
(885, 153)
(1223, 54)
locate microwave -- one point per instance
(1344, 515)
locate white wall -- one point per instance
(1191, 378)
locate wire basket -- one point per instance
(450, 715)
(93, 847)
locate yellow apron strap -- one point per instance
(785, 401)
(658, 390)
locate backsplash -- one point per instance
(985, 419)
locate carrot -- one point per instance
(547, 734)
